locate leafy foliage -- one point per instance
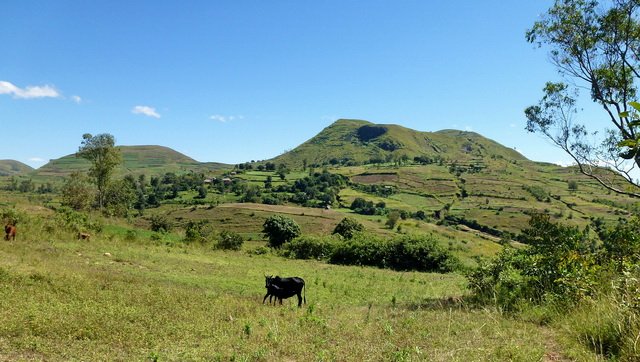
(197, 231)
(348, 228)
(76, 221)
(310, 247)
(280, 229)
(160, 223)
(559, 264)
(595, 46)
(229, 240)
(364, 207)
(420, 253)
(104, 157)
(77, 192)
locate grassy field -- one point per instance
(119, 298)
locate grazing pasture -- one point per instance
(133, 298)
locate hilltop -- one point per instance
(12, 167)
(148, 159)
(350, 142)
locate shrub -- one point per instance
(558, 265)
(348, 227)
(196, 230)
(229, 240)
(420, 253)
(310, 247)
(159, 223)
(280, 229)
(76, 221)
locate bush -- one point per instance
(348, 227)
(310, 247)
(229, 240)
(197, 231)
(76, 221)
(160, 224)
(420, 253)
(558, 265)
(280, 229)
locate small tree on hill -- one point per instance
(100, 150)
(348, 227)
(392, 219)
(77, 192)
(280, 229)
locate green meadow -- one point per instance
(127, 295)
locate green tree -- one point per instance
(392, 219)
(280, 229)
(573, 185)
(77, 192)
(594, 46)
(100, 150)
(119, 197)
(348, 227)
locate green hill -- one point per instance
(351, 142)
(12, 167)
(150, 160)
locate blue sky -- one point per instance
(233, 81)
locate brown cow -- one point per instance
(10, 232)
(84, 236)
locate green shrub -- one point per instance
(310, 247)
(76, 221)
(229, 240)
(197, 230)
(420, 253)
(559, 264)
(160, 224)
(348, 227)
(280, 229)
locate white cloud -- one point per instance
(76, 99)
(224, 119)
(468, 128)
(37, 159)
(29, 92)
(145, 110)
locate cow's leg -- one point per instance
(265, 298)
(299, 300)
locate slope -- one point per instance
(353, 142)
(12, 167)
(150, 160)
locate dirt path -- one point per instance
(552, 348)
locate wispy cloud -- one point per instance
(36, 159)
(224, 119)
(145, 110)
(76, 99)
(28, 92)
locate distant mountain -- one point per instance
(149, 160)
(361, 141)
(12, 167)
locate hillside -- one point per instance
(350, 142)
(12, 167)
(150, 160)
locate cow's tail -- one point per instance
(304, 290)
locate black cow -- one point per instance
(283, 288)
